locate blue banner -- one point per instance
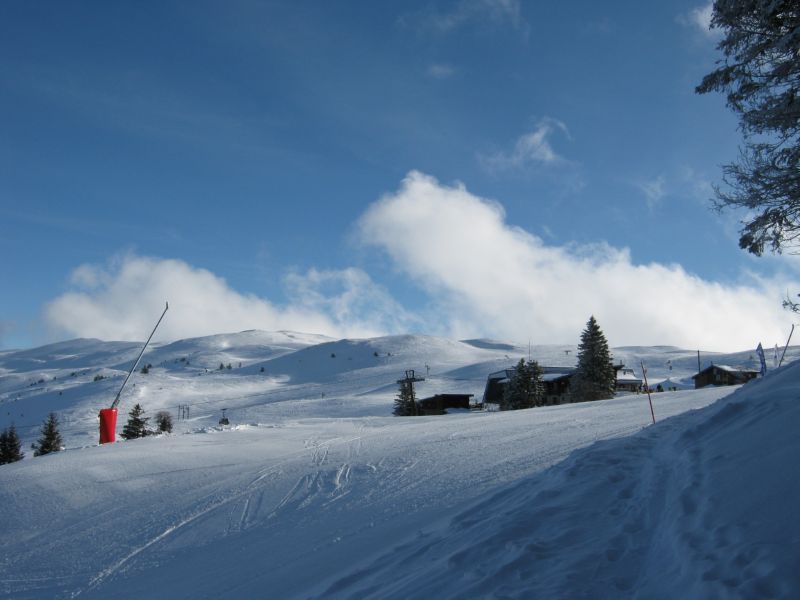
(760, 352)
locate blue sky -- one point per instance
(464, 168)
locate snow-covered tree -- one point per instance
(10, 446)
(136, 426)
(760, 74)
(50, 440)
(524, 389)
(595, 378)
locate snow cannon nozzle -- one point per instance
(122, 387)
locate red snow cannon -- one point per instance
(108, 416)
(108, 425)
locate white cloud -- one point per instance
(534, 148)
(120, 301)
(701, 16)
(699, 185)
(440, 71)
(654, 190)
(490, 278)
(700, 19)
(469, 11)
(349, 297)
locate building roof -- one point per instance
(548, 373)
(728, 368)
(629, 377)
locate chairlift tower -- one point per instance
(407, 384)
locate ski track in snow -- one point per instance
(302, 494)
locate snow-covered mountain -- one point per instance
(316, 491)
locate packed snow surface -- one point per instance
(315, 491)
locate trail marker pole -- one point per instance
(786, 346)
(647, 388)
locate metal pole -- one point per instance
(116, 400)
(786, 346)
(647, 387)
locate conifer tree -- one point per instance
(524, 389)
(136, 426)
(4, 447)
(595, 378)
(759, 73)
(405, 405)
(50, 440)
(10, 446)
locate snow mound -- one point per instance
(330, 360)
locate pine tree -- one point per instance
(595, 378)
(524, 389)
(405, 405)
(760, 75)
(10, 446)
(50, 440)
(136, 426)
(4, 449)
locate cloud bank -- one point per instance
(121, 301)
(481, 277)
(490, 278)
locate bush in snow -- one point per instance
(164, 421)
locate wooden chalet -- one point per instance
(722, 375)
(627, 381)
(556, 382)
(554, 379)
(440, 403)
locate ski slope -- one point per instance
(315, 491)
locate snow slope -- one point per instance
(312, 496)
(276, 375)
(704, 505)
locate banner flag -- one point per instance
(760, 352)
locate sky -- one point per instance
(464, 168)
